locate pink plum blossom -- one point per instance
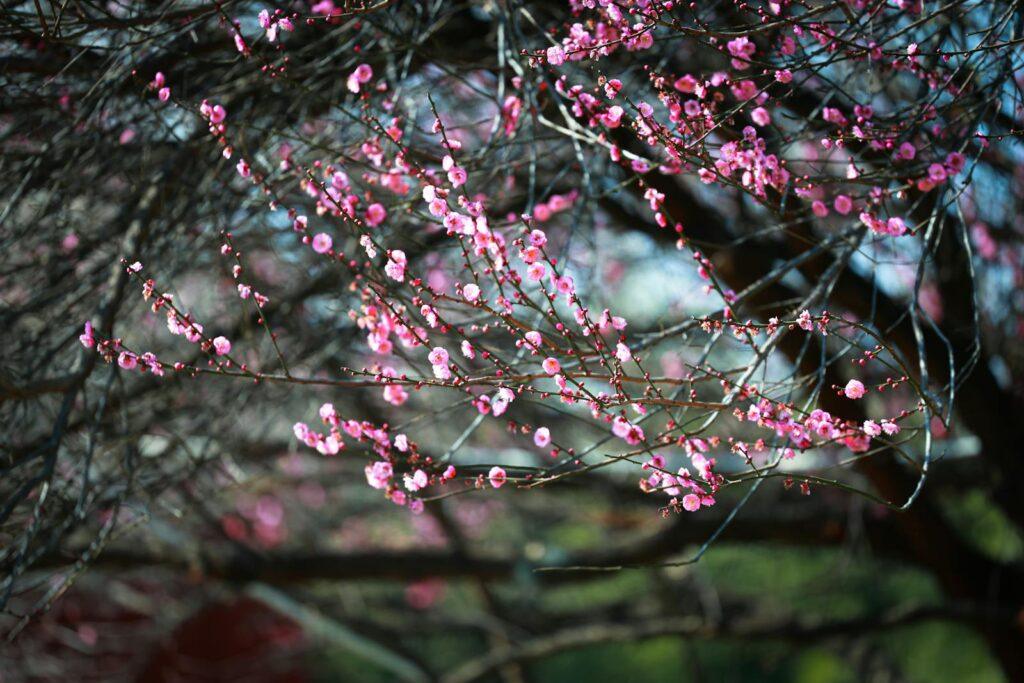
(322, 243)
(854, 389)
(497, 477)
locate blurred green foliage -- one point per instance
(805, 584)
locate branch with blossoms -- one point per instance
(714, 253)
(393, 296)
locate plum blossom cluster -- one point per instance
(818, 427)
(693, 132)
(178, 324)
(685, 491)
(274, 23)
(386, 451)
(112, 349)
(496, 316)
(420, 314)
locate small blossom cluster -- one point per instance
(686, 491)
(818, 425)
(388, 452)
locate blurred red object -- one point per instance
(240, 640)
